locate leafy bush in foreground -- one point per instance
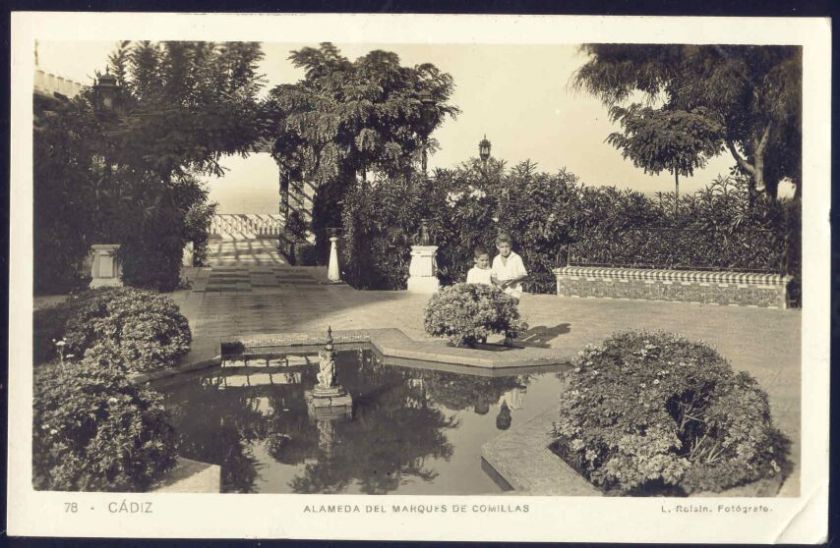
(95, 431)
(144, 330)
(653, 413)
(467, 313)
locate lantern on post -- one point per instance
(106, 91)
(484, 149)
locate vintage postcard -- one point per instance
(497, 278)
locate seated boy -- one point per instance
(508, 271)
(480, 273)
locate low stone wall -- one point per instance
(723, 288)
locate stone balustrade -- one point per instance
(723, 288)
(244, 226)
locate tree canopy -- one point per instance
(183, 105)
(125, 174)
(701, 100)
(350, 117)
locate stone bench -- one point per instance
(723, 288)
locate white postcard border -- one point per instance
(800, 519)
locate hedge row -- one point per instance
(553, 219)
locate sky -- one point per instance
(519, 96)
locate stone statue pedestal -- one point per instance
(104, 269)
(423, 269)
(332, 401)
(333, 272)
(328, 397)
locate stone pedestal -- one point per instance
(189, 253)
(423, 269)
(333, 272)
(105, 270)
(328, 402)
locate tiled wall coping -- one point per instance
(697, 276)
(696, 286)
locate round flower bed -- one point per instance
(656, 414)
(468, 313)
(95, 431)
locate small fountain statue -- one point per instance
(326, 362)
(328, 398)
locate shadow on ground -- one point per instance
(541, 335)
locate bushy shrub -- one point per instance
(653, 413)
(152, 238)
(65, 203)
(95, 431)
(197, 229)
(467, 313)
(380, 222)
(48, 326)
(146, 331)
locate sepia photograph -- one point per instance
(484, 272)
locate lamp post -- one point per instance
(484, 155)
(428, 103)
(105, 268)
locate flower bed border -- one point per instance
(523, 458)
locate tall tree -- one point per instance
(355, 116)
(183, 105)
(179, 107)
(746, 99)
(664, 140)
(347, 120)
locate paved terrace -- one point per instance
(271, 297)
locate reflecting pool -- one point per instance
(412, 430)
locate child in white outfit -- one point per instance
(481, 272)
(508, 270)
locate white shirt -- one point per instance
(479, 276)
(509, 269)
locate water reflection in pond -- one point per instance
(412, 431)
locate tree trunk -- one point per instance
(756, 169)
(284, 196)
(677, 193)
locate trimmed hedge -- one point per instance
(93, 430)
(656, 414)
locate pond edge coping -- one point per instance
(390, 343)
